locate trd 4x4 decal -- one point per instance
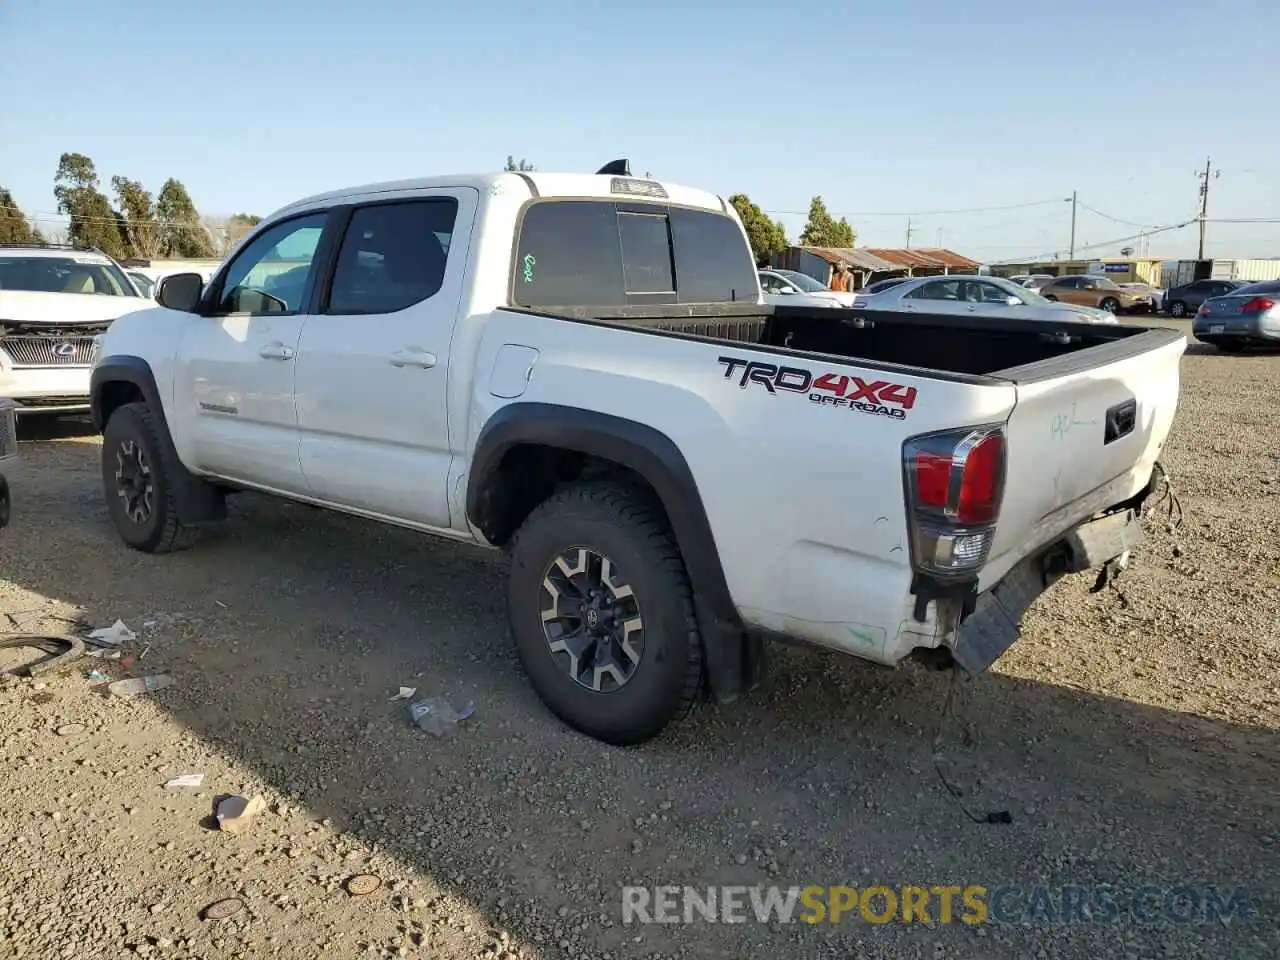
(878, 397)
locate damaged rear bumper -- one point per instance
(995, 622)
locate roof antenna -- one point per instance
(617, 168)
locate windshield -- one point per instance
(803, 281)
(64, 275)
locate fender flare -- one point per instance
(121, 368)
(198, 502)
(734, 657)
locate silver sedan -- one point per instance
(981, 296)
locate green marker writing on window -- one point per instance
(529, 264)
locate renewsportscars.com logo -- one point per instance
(881, 398)
(969, 904)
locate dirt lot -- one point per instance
(1133, 745)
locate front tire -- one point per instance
(602, 613)
(1110, 305)
(138, 483)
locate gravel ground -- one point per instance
(1132, 736)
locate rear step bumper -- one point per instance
(996, 621)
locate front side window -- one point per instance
(392, 256)
(273, 274)
(63, 275)
(980, 292)
(937, 290)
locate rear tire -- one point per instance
(1177, 309)
(602, 613)
(138, 475)
(1050, 296)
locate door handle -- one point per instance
(276, 351)
(412, 357)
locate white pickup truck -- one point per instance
(578, 368)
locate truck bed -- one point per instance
(954, 347)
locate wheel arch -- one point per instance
(500, 496)
(121, 379)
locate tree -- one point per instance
(93, 222)
(513, 167)
(185, 235)
(14, 227)
(227, 232)
(145, 235)
(766, 236)
(823, 230)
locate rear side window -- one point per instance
(600, 253)
(392, 256)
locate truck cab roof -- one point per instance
(536, 183)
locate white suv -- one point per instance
(53, 301)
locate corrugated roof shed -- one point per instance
(925, 257)
(856, 257)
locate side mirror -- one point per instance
(787, 291)
(1013, 301)
(180, 291)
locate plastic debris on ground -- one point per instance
(139, 685)
(234, 814)
(437, 717)
(95, 676)
(113, 636)
(187, 781)
(406, 693)
(103, 653)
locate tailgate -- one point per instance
(1084, 435)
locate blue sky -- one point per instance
(880, 108)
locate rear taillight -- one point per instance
(1204, 308)
(1257, 305)
(954, 484)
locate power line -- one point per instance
(915, 213)
(1107, 216)
(1103, 243)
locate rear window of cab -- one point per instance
(585, 253)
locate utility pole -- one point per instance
(909, 232)
(1072, 254)
(1204, 176)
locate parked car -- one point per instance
(1248, 315)
(589, 379)
(871, 289)
(981, 296)
(1186, 299)
(1032, 281)
(1155, 294)
(800, 289)
(54, 299)
(1086, 290)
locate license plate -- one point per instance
(1217, 327)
